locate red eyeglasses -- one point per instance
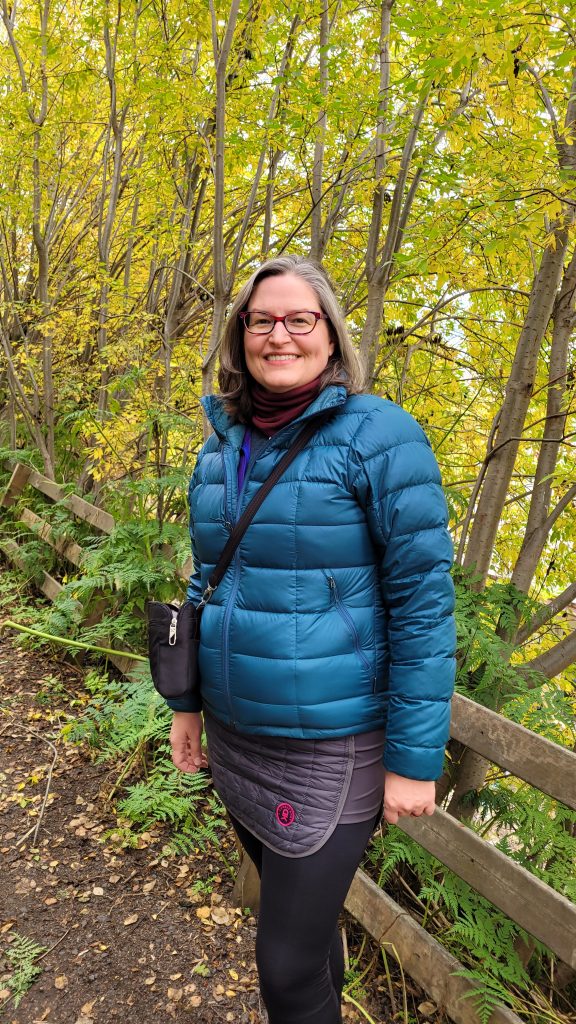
(301, 322)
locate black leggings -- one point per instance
(298, 947)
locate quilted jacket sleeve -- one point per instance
(193, 593)
(397, 481)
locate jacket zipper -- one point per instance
(231, 597)
(226, 632)
(234, 588)
(342, 609)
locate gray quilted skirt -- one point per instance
(292, 793)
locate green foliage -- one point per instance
(488, 993)
(22, 955)
(484, 671)
(126, 723)
(532, 829)
(122, 716)
(164, 795)
(201, 829)
(480, 936)
(119, 572)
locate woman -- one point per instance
(326, 655)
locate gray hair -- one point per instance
(343, 366)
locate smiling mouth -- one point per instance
(289, 358)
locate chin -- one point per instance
(281, 383)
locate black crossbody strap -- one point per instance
(250, 511)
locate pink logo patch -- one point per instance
(285, 814)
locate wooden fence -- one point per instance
(540, 910)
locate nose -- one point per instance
(279, 332)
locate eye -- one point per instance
(301, 319)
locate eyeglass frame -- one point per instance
(281, 319)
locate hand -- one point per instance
(186, 741)
(403, 797)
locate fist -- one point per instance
(407, 797)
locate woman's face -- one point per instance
(279, 360)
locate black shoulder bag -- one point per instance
(174, 632)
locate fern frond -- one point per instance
(22, 955)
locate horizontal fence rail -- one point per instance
(535, 906)
(544, 764)
(418, 952)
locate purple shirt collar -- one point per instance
(244, 459)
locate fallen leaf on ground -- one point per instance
(130, 920)
(219, 915)
(61, 981)
(427, 1009)
(203, 913)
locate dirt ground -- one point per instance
(121, 929)
(127, 934)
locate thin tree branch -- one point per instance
(547, 612)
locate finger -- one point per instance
(184, 758)
(391, 816)
(184, 764)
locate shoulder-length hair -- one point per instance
(343, 366)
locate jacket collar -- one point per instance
(227, 429)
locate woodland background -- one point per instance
(151, 154)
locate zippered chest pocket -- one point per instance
(349, 623)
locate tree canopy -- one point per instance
(152, 154)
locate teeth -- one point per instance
(280, 359)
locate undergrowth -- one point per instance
(126, 724)
(22, 956)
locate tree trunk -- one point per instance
(316, 242)
(534, 538)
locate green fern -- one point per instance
(22, 955)
(128, 722)
(165, 795)
(487, 994)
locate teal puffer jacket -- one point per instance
(336, 614)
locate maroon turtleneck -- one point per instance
(272, 410)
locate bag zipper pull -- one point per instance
(173, 627)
